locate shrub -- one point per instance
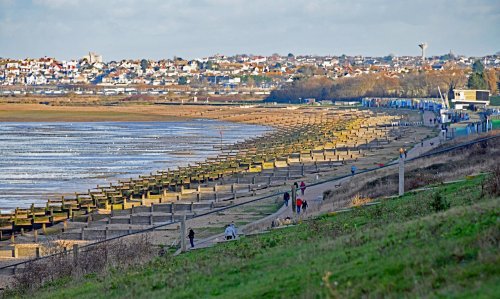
(359, 200)
(493, 181)
(99, 258)
(439, 202)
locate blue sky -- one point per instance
(197, 28)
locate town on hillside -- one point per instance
(251, 75)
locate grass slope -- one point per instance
(402, 247)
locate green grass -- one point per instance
(402, 247)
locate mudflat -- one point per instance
(46, 113)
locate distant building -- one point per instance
(93, 57)
(462, 98)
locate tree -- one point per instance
(182, 81)
(476, 81)
(490, 77)
(209, 65)
(478, 67)
(144, 64)
(250, 82)
(388, 58)
(477, 78)
(306, 70)
(290, 55)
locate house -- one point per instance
(463, 98)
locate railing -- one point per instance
(275, 194)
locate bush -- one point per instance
(439, 203)
(95, 259)
(493, 180)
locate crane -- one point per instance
(445, 102)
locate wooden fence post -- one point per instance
(183, 233)
(294, 198)
(75, 254)
(401, 188)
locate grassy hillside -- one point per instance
(441, 242)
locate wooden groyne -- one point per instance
(304, 140)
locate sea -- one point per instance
(41, 160)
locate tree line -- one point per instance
(408, 85)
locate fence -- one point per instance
(269, 198)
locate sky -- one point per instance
(157, 29)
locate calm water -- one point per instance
(42, 160)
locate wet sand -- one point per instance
(45, 113)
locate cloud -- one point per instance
(195, 28)
(57, 3)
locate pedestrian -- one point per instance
(406, 153)
(228, 232)
(304, 206)
(191, 237)
(353, 170)
(303, 187)
(235, 230)
(286, 198)
(299, 205)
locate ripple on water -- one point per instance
(44, 159)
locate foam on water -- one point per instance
(40, 160)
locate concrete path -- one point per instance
(314, 197)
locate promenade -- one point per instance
(308, 144)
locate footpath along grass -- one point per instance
(419, 245)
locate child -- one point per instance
(299, 205)
(304, 206)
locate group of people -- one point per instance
(231, 232)
(299, 204)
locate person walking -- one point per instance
(299, 205)
(302, 187)
(353, 170)
(235, 231)
(286, 198)
(191, 237)
(228, 232)
(304, 206)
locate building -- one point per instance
(463, 98)
(93, 58)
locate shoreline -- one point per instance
(175, 156)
